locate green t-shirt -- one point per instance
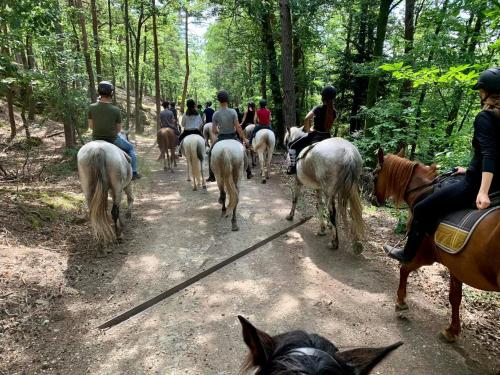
(105, 116)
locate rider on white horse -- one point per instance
(225, 125)
(262, 119)
(324, 116)
(105, 121)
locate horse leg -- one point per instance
(321, 217)
(268, 163)
(189, 176)
(130, 201)
(262, 166)
(451, 333)
(203, 184)
(332, 211)
(404, 272)
(295, 197)
(222, 196)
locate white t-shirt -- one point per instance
(191, 122)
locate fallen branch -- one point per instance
(54, 134)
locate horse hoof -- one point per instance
(357, 248)
(204, 187)
(221, 201)
(401, 306)
(195, 188)
(165, 169)
(235, 228)
(289, 217)
(334, 245)
(264, 181)
(448, 336)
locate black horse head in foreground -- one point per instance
(298, 352)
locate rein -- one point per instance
(436, 180)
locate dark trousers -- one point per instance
(222, 137)
(187, 132)
(309, 139)
(256, 129)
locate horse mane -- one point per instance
(398, 171)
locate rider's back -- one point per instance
(104, 117)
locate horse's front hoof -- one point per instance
(357, 247)
(204, 188)
(165, 169)
(264, 181)
(235, 228)
(449, 336)
(195, 188)
(334, 245)
(289, 217)
(401, 306)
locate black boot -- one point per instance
(249, 173)
(413, 242)
(292, 169)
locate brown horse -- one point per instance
(167, 142)
(478, 265)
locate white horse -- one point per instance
(228, 159)
(263, 143)
(193, 148)
(207, 134)
(333, 168)
(103, 167)
(248, 133)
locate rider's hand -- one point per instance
(482, 201)
(245, 142)
(459, 170)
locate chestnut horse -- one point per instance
(166, 142)
(477, 265)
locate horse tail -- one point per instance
(200, 151)
(228, 180)
(161, 144)
(193, 155)
(347, 192)
(99, 186)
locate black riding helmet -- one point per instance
(105, 88)
(489, 80)
(328, 93)
(262, 103)
(223, 96)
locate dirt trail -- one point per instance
(293, 282)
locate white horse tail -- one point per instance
(347, 191)
(99, 185)
(194, 159)
(228, 179)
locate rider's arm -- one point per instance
(307, 121)
(255, 118)
(215, 129)
(244, 117)
(239, 130)
(484, 132)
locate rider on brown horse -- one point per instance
(481, 178)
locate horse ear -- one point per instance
(433, 167)
(363, 360)
(380, 156)
(401, 153)
(260, 343)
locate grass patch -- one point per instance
(474, 296)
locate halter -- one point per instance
(313, 352)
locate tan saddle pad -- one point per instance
(455, 229)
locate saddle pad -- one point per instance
(456, 228)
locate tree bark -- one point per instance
(157, 67)
(263, 77)
(186, 51)
(86, 53)
(289, 100)
(127, 63)
(139, 128)
(111, 57)
(31, 66)
(97, 45)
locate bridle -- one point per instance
(436, 180)
(313, 352)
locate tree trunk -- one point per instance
(111, 57)
(263, 77)
(383, 17)
(97, 46)
(289, 100)
(10, 108)
(157, 66)
(139, 128)
(144, 54)
(31, 67)
(186, 51)
(127, 63)
(86, 53)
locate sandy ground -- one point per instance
(294, 282)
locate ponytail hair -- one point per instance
(328, 97)
(492, 104)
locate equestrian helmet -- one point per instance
(262, 103)
(105, 88)
(489, 80)
(328, 93)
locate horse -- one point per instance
(299, 352)
(207, 134)
(103, 167)
(333, 168)
(263, 143)
(167, 141)
(227, 162)
(477, 265)
(193, 148)
(252, 154)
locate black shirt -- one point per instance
(319, 119)
(486, 141)
(209, 113)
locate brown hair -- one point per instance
(492, 104)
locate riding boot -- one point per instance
(249, 173)
(292, 169)
(406, 255)
(211, 176)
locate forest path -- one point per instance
(294, 282)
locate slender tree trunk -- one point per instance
(263, 77)
(111, 55)
(97, 45)
(157, 66)
(186, 51)
(138, 123)
(127, 63)
(86, 53)
(31, 67)
(10, 109)
(289, 100)
(383, 17)
(144, 54)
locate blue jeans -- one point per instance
(129, 148)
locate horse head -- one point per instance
(293, 134)
(304, 353)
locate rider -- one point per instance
(191, 121)
(324, 116)
(105, 121)
(167, 119)
(174, 111)
(482, 176)
(208, 112)
(249, 116)
(225, 125)
(200, 110)
(262, 118)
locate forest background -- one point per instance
(404, 69)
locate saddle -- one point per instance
(456, 228)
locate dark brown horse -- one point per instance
(167, 142)
(477, 265)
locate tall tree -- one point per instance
(97, 44)
(186, 52)
(157, 67)
(127, 62)
(289, 102)
(111, 54)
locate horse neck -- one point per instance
(422, 175)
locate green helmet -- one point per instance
(105, 88)
(489, 80)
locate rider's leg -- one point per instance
(211, 176)
(293, 151)
(130, 150)
(426, 215)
